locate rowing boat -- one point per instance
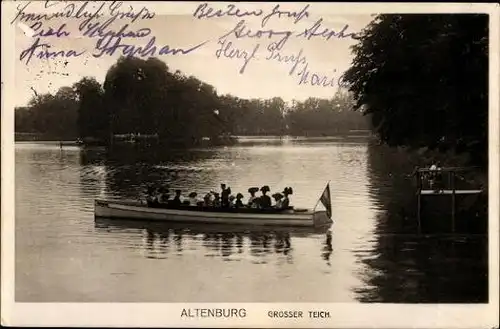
(192, 214)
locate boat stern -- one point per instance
(321, 218)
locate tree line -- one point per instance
(146, 97)
(422, 80)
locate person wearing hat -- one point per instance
(225, 193)
(264, 200)
(251, 200)
(193, 201)
(285, 203)
(238, 203)
(278, 198)
(176, 201)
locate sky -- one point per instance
(174, 25)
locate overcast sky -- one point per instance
(179, 29)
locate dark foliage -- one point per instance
(143, 97)
(424, 80)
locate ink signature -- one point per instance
(41, 51)
(103, 31)
(111, 41)
(326, 33)
(149, 50)
(108, 42)
(299, 63)
(242, 31)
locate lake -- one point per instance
(371, 253)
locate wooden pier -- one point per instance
(441, 181)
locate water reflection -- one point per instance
(372, 252)
(246, 141)
(126, 173)
(407, 267)
(328, 248)
(222, 241)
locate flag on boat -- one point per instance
(325, 200)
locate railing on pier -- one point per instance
(443, 181)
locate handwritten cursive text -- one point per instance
(229, 51)
(87, 10)
(300, 69)
(41, 51)
(298, 15)
(204, 11)
(325, 33)
(106, 34)
(242, 31)
(71, 10)
(109, 48)
(40, 32)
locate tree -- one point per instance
(53, 116)
(423, 79)
(144, 97)
(93, 118)
(317, 116)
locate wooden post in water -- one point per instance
(452, 180)
(441, 189)
(419, 196)
(418, 213)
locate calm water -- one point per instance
(371, 253)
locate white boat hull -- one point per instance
(137, 211)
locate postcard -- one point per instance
(250, 164)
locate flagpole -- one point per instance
(317, 202)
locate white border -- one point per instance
(343, 315)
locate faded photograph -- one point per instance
(249, 152)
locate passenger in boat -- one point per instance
(176, 201)
(285, 203)
(207, 200)
(150, 196)
(264, 199)
(216, 201)
(193, 201)
(256, 203)
(163, 195)
(251, 201)
(231, 201)
(157, 196)
(226, 192)
(278, 198)
(238, 203)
